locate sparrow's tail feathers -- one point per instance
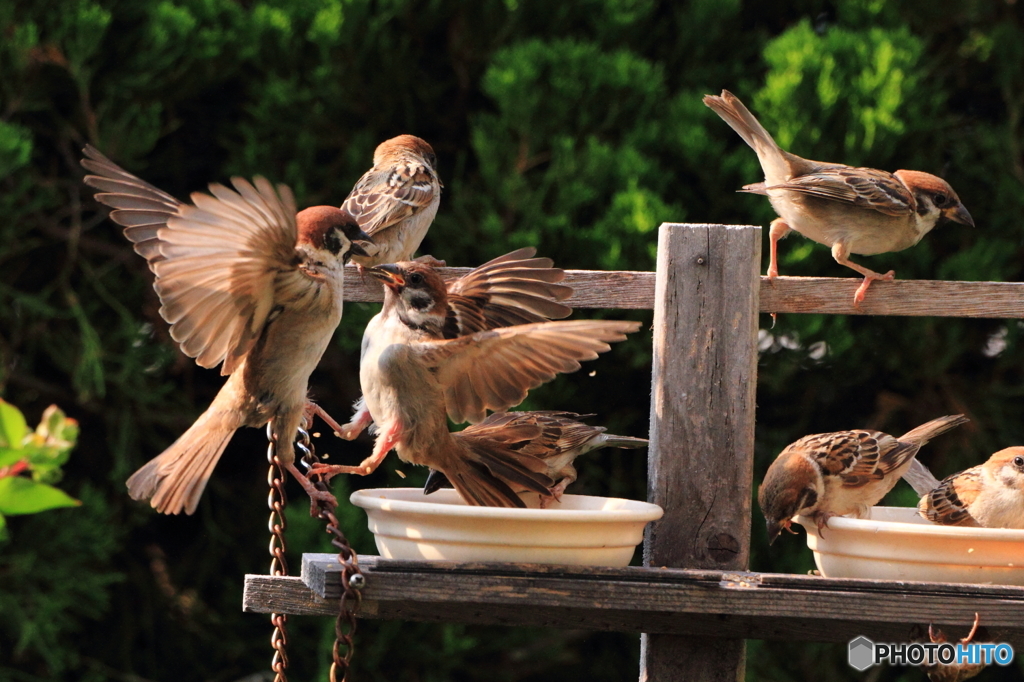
(739, 118)
(174, 480)
(936, 427)
(920, 478)
(627, 442)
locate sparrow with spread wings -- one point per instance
(834, 474)
(396, 201)
(247, 283)
(851, 210)
(414, 378)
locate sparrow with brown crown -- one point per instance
(860, 211)
(990, 495)
(395, 201)
(845, 472)
(245, 282)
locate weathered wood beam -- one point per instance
(676, 602)
(701, 456)
(829, 295)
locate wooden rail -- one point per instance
(631, 290)
(661, 601)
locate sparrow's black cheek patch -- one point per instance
(421, 302)
(809, 499)
(334, 241)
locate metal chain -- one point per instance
(276, 501)
(352, 579)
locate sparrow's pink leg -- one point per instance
(360, 420)
(315, 494)
(556, 492)
(386, 440)
(841, 252)
(974, 629)
(312, 409)
(776, 231)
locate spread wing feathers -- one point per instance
(223, 259)
(139, 207)
(510, 290)
(494, 370)
(948, 504)
(864, 187)
(385, 196)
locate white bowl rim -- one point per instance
(375, 498)
(875, 526)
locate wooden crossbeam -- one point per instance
(631, 290)
(733, 605)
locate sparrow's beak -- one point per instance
(959, 214)
(357, 250)
(435, 481)
(390, 275)
(774, 529)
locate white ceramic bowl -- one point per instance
(897, 544)
(580, 530)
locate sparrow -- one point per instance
(413, 379)
(834, 474)
(247, 283)
(990, 495)
(861, 211)
(516, 288)
(396, 201)
(557, 438)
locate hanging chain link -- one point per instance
(276, 501)
(352, 579)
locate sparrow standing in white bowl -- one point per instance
(558, 438)
(990, 495)
(245, 281)
(396, 201)
(415, 379)
(845, 472)
(860, 211)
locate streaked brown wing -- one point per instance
(385, 196)
(223, 259)
(864, 187)
(139, 207)
(510, 290)
(494, 370)
(948, 504)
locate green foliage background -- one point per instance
(577, 127)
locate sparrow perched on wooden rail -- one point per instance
(413, 379)
(990, 495)
(396, 201)
(245, 281)
(834, 474)
(852, 210)
(558, 438)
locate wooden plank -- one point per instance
(827, 295)
(670, 602)
(700, 460)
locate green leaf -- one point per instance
(9, 456)
(12, 425)
(20, 495)
(3, 527)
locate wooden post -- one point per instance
(704, 378)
